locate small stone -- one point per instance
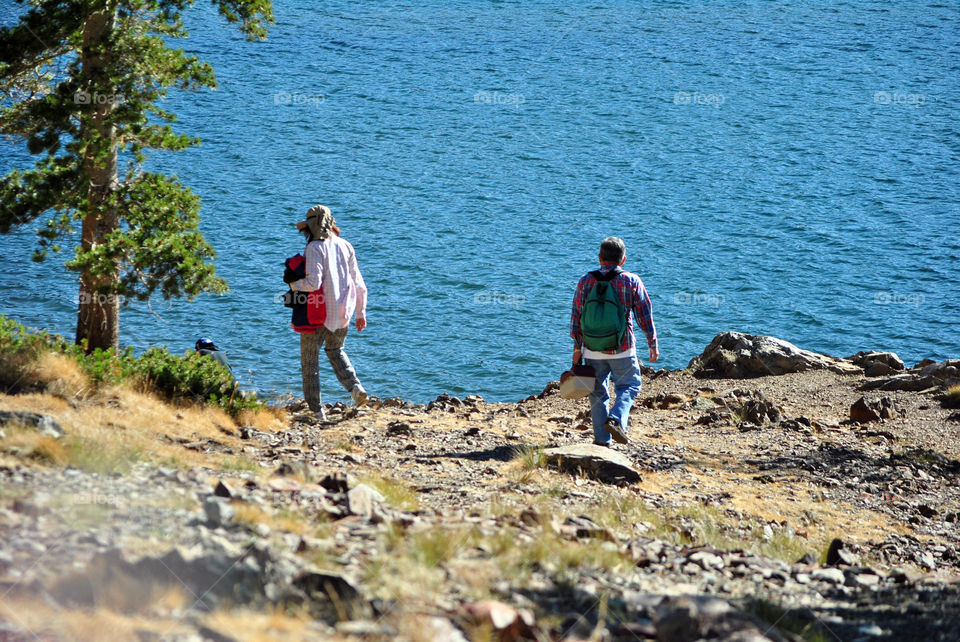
(861, 579)
(862, 413)
(511, 623)
(872, 630)
(223, 490)
(707, 560)
(838, 554)
(218, 512)
(925, 559)
(832, 575)
(365, 501)
(703, 404)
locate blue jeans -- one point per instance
(626, 383)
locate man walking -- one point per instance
(604, 307)
(331, 269)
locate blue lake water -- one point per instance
(778, 168)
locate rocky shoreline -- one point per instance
(768, 493)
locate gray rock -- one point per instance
(598, 462)
(943, 370)
(209, 575)
(877, 364)
(909, 382)
(365, 501)
(925, 559)
(832, 575)
(441, 629)
(871, 630)
(218, 511)
(685, 619)
(854, 578)
(707, 560)
(703, 403)
(45, 424)
(735, 355)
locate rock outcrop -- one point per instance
(877, 364)
(735, 355)
(921, 377)
(41, 423)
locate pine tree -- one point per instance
(80, 81)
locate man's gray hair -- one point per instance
(612, 250)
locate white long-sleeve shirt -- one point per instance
(333, 263)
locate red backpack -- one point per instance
(309, 308)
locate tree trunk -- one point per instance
(98, 317)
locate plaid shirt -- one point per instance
(635, 300)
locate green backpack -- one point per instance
(603, 319)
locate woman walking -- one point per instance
(332, 272)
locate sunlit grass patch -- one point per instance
(44, 620)
(285, 520)
(411, 566)
(397, 493)
(270, 625)
(951, 398)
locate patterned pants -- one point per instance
(310, 363)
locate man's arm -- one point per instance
(312, 268)
(575, 333)
(643, 311)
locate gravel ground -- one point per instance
(729, 468)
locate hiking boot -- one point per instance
(616, 431)
(605, 445)
(359, 395)
(320, 415)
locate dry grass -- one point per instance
(267, 419)
(59, 375)
(283, 520)
(272, 625)
(397, 493)
(119, 426)
(28, 444)
(42, 620)
(951, 397)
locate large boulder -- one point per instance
(692, 618)
(213, 573)
(735, 355)
(598, 462)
